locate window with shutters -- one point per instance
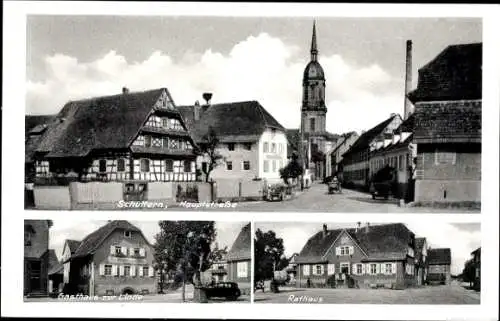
(126, 270)
(107, 269)
(305, 269)
(229, 165)
(242, 270)
(102, 166)
(266, 166)
(246, 165)
(121, 165)
(318, 269)
(118, 250)
(145, 270)
(373, 268)
(344, 250)
(266, 147)
(388, 268)
(137, 251)
(359, 269)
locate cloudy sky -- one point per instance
(70, 229)
(461, 238)
(72, 57)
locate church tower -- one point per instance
(313, 109)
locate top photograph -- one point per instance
(297, 114)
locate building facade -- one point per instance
(131, 136)
(334, 157)
(358, 257)
(421, 260)
(252, 142)
(239, 264)
(439, 263)
(36, 257)
(356, 161)
(448, 104)
(115, 259)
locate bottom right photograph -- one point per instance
(365, 263)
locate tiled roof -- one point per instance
(92, 241)
(73, 245)
(55, 267)
(240, 250)
(109, 122)
(389, 241)
(35, 128)
(448, 122)
(439, 256)
(233, 122)
(363, 142)
(455, 74)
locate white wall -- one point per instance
(278, 157)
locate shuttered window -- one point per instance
(107, 269)
(121, 165)
(242, 271)
(305, 269)
(145, 165)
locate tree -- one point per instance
(208, 148)
(268, 255)
(184, 248)
(293, 169)
(469, 272)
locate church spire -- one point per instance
(314, 46)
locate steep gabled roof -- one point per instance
(439, 256)
(109, 122)
(73, 245)
(35, 128)
(342, 140)
(240, 250)
(92, 241)
(385, 241)
(233, 122)
(55, 266)
(455, 74)
(363, 142)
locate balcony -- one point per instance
(165, 131)
(161, 151)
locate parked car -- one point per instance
(228, 290)
(383, 183)
(276, 191)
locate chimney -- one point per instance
(358, 226)
(207, 97)
(408, 108)
(367, 227)
(196, 110)
(325, 230)
(125, 90)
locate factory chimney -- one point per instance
(408, 107)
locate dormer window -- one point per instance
(127, 234)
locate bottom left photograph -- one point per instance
(137, 261)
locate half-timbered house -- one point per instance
(366, 256)
(129, 136)
(439, 266)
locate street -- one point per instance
(444, 294)
(316, 199)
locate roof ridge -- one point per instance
(115, 95)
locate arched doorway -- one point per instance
(129, 291)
